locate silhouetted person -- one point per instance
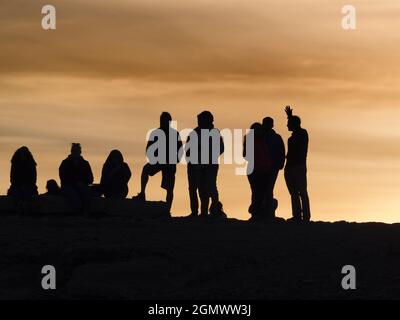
(168, 154)
(76, 176)
(23, 175)
(115, 176)
(203, 170)
(52, 188)
(296, 168)
(276, 149)
(259, 168)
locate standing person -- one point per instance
(276, 149)
(259, 169)
(115, 176)
(167, 155)
(296, 168)
(23, 175)
(205, 146)
(76, 176)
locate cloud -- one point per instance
(180, 41)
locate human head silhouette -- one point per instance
(165, 120)
(115, 157)
(268, 123)
(205, 120)
(52, 186)
(23, 155)
(258, 129)
(76, 150)
(294, 123)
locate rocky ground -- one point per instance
(122, 258)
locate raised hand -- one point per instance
(289, 111)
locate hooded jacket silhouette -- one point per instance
(23, 174)
(115, 176)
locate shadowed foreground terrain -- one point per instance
(123, 258)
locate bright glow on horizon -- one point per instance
(104, 76)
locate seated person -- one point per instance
(52, 188)
(115, 176)
(23, 175)
(76, 176)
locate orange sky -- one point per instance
(103, 77)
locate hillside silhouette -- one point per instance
(183, 258)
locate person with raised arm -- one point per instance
(296, 168)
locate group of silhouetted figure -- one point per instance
(270, 157)
(75, 175)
